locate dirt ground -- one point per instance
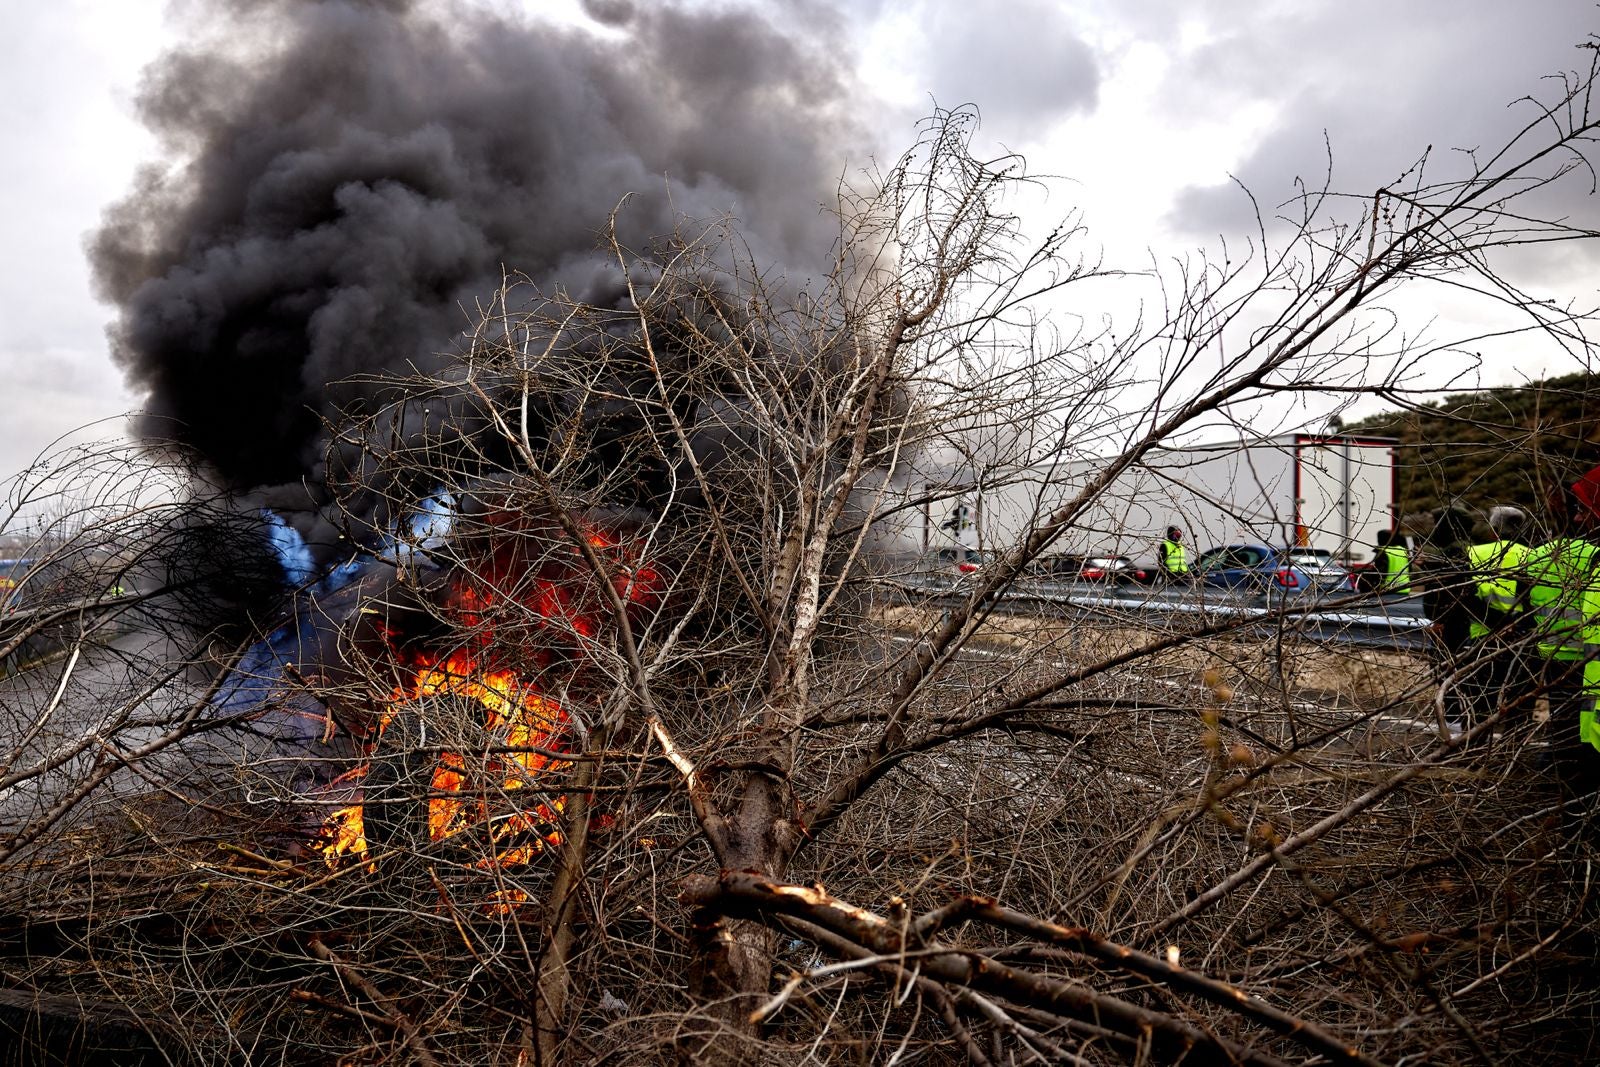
(1329, 674)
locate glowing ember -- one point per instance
(344, 832)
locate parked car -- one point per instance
(961, 560)
(1261, 568)
(1119, 569)
(1056, 568)
(1316, 561)
(942, 569)
(1329, 573)
(39, 582)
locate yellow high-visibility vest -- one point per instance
(1174, 557)
(1397, 578)
(1588, 719)
(1498, 564)
(1562, 573)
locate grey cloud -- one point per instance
(1384, 81)
(609, 12)
(1020, 62)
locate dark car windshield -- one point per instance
(1232, 556)
(1055, 566)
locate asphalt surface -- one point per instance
(67, 714)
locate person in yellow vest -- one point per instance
(1563, 599)
(1559, 574)
(1577, 759)
(1499, 565)
(1174, 556)
(1589, 715)
(1393, 562)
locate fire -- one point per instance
(523, 722)
(527, 726)
(344, 833)
(525, 729)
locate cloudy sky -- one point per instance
(1149, 110)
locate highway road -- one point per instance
(86, 709)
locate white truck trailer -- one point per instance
(1326, 491)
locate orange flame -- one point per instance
(529, 728)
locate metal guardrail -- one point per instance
(1347, 619)
(54, 636)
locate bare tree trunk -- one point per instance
(730, 974)
(555, 963)
(733, 958)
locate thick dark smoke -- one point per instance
(347, 179)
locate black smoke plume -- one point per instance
(346, 180)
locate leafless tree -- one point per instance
(644, 742)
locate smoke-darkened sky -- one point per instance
(357, 174)
(1151, 109)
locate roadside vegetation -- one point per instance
(1507, 445)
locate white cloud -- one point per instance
(68, 71)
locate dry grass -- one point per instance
(1334, 674)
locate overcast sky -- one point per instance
(1149, 108)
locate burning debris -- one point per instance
(450, 687)
(345, 177)
(453, 792)
(593, 567)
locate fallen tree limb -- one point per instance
(749, 895)
(394, 1016)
